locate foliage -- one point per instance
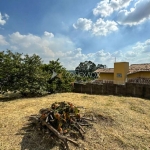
(33, 78)
(60, 80)
(22, 73)
(10, 69)
(86, 69)
(29, 76)
(87, 66)
(101, 66)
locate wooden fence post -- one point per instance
(116, 89)
(134, 90)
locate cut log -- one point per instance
(61, 137)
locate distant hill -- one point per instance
(72, 71)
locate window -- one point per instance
(119, 75)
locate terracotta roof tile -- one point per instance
(139, 67)
(132, 68)
(110, 70)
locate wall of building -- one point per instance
(106, 76)
(120, 72)
(129, 89)
(120, 75)
(142, 74)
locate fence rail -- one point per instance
(139, 80)
(128, 89)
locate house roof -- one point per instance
(132, 68)
(138, 71)
(108, 70)
(139, 67)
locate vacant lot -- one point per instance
(122, 122)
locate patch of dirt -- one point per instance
(105, 120)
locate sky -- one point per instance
(75, 31)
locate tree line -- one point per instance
(28, 75)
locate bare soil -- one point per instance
(123, 123)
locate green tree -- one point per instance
(33, 78)
(22, 73)
(101, 66)
(10, 70)
(86, 69)
(29, 76)
(60, 80)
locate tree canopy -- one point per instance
(30, 76)
(87, 68)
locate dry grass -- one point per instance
(123, 122)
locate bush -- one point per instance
(29, 76)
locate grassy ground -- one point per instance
(123, 123)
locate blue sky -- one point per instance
(77, 30)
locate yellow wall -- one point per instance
(142, 74)
(106, 76)
(120, 76)
(120, 68)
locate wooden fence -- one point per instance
(129, 89)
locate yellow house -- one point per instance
(139, 74)
(107, 76)
(139, 70)
(122, 72)
(106, 73)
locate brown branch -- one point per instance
(63, 138)
(33, 119)
(87, 119)
(80, 127)
(74, 125)
(81, 124)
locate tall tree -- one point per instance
(60, 80)
(29, 76)
(100, 66)
(11, 64)
(22, 73)
(33, 78)
(85, 67)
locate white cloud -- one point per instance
(47, 48)
(3, 41)
(53, 48)
(83, 24)
(6, 16)
(103, 28)
(3, 19)
(131, 54)
(103, 8)
(50, 48)
(136, 15)
(99, 28)
(142, 47)
(139, 53)
(70, 56)
(118, 54)
(102, 53)
(119, 4)
(48, 34)
(107, 7)
(24, 41)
